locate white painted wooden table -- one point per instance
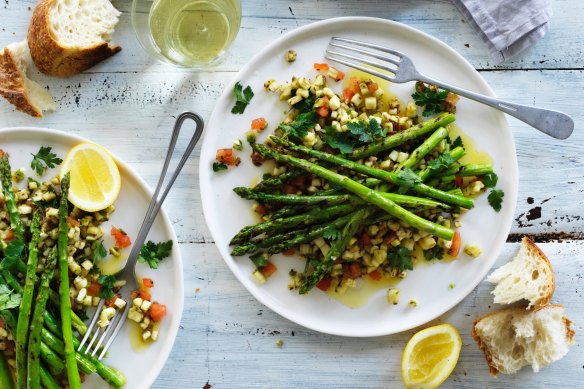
(227, 339)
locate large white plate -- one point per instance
(140, 366)
(226, 213)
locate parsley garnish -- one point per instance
(99, 252)
(365, 132)
(407, 178)
(106, 286)
(305, 105)
(298, 128)
(490, 180)
(12, 254)
(44, 159)
(435, 252)
(338, 140)
(440, 163)
(152, 253)
(431, 99)
(260, 260)
(218, 166)
(457, 143)
(400, 258)
(8, 299)
(332, 232)
(242, 97)
(496, 199)
(358, 133)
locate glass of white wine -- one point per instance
(186, 33)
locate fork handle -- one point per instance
(157, 198)
(553, 123)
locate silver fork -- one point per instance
(95, 336)
(553, 123)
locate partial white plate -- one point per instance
(226, 213)
(140, 366)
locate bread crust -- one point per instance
(485, 349)
(12, 85)
(54, 59)
(536, 251)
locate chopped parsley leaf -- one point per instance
(219, 166)
(152, 253)
(44, 159)
(106, 286)
(431, 99)
(495, 198)
(8, 299)
(242, 98)
(298, 128)
(332, 232)
(400, 258)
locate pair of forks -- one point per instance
(397, 67)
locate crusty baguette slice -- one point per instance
(529, 276)
(514, 337)
(25, 94)
(67, 37)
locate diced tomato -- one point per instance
(261, 209)
(72, 222)
(1, 153)
(372, 86)
(93, 289)
(227, 156)
(289, 189)
(144, 294)
(148, 282)
(323, 111)
(301, 181)
(325, 283)
(364, 239)
(269, 269)
(348, 94)
(259, 124)
(157, 311)
(321, 66)
(257, 158)
(112, 301)
(289, 252)
(122, 239)
(458, 181)
(2, 322)
(375, 275)
(354, 84)
(340, 76)
(352, 271)
(134, 294)
(455, 247)
(9, 236)
(389, 238)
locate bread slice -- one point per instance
(529, 276)
(514, 337)
(25, 94)
(67, 37)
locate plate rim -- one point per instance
(482, 85)
(165, 351)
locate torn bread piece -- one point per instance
(67, 37)
(26, 95)
(529, 276)
(513, 338)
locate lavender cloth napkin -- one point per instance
(507, 26)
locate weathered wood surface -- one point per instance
(227, 338)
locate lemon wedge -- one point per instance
(95, 178)
(430, 356)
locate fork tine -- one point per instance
(118, 327)
(363, 60)
(366, 52)
(370, 45)
(105, 333)
(362, 68)
(91, 326)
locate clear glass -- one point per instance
(186, 33)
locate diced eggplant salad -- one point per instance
(362, 186)
(51, 282)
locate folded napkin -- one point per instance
(507, 26)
